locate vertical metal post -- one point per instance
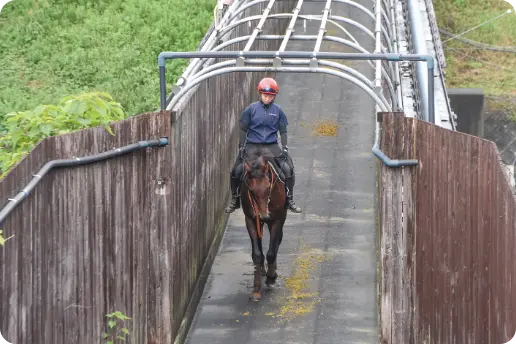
(419, 42)
(431, 96)
(162, 88)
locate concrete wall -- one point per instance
(468, 104)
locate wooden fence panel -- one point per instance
(129, 234)
(71, 258)
(397, 232)
(461, 252)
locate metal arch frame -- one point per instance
(296, 58)
(347, 2)
(221, 31)
(314, 17)
(277, 61)
(297, 69)
(233, 12)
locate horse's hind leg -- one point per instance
(258, 259)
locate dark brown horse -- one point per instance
(263, 202)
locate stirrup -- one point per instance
(235, 204)
(293, 207)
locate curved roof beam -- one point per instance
(212, 39)
(235, 40)
(288, 15)
(347, 2)
(226, 70)
(303, 63)
(351, 22)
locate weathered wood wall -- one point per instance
(87, 239)
(447, 263)
(107, 236)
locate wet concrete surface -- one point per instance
(328, 254)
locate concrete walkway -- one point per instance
(328, 254)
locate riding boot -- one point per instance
(235, 197)
(289, 184)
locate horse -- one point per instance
(263, 196)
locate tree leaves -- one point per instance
(112, 323)
(26, 129)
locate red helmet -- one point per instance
(268, 86)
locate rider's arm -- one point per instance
(243, 134)
(245, 119)
(283, 123)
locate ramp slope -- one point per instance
(328, 255)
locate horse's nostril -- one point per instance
(265, 217)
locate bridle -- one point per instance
(272, 175)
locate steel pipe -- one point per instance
(322, 27)
(163, 56)
(198, 65)
(332, 64)
(212, 39)
(278, 69)
(288, 15)
(13, 202)
(290, 27)
(259, 27)
(295, 37)
(425, 80)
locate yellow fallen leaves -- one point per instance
(325, 128)
(299, 300)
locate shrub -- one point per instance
(26, 129)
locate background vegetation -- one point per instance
(53, 48)
(73, 64)
(470, 66)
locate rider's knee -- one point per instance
(237, 170)
(287, 170)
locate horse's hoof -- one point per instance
(255, 296)
(271, 280)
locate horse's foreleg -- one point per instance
(262, 256)
(258, 258)
(272, 254)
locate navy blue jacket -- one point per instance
(263, 122)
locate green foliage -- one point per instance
(115, 331)
(2, 239)
(470, 66)
(28, 128)
(53, 48)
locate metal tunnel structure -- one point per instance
(385, 89)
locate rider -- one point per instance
(259, 126)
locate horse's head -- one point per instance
(259, 181)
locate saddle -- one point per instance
(276, 167)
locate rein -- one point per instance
(274, 177)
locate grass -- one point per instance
(471, 67)
(53, 48)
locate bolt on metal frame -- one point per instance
(201, 67)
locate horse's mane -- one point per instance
(256, 157)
